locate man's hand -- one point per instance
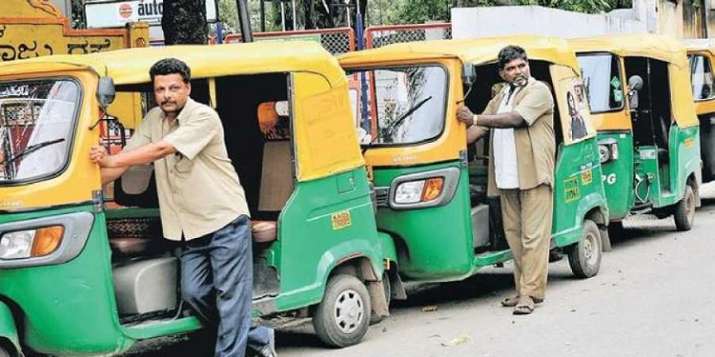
(465, 115)
(98, 154)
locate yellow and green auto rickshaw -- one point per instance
(701, 53)
(80, 275)
(431, 187)
(641, 104)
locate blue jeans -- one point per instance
(217, 281)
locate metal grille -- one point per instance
(142, 228)
(335, 41)
(384, 35)
(382, 195)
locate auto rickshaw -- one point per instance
(701, 53)
(648, 135)
(431, 187)
(80, 275)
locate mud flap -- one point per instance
(8, 330)
(378, 298)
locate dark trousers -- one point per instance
(217, 281)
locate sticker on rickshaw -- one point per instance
(571, 190)
(341, 220)
(10, 204)
(586, 177)
(689, 142)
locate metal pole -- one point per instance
(347, 11)
(295, 25)
(283, 15)
(245, 20)
(263, 16)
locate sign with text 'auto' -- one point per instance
(113, 13)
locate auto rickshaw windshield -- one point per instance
(601, 76)
(36, 125)
(405, 105)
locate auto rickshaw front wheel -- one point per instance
(585, 256)
(684, 212)
(343, 317)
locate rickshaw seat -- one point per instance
(263, 231)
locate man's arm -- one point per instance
(111, 174)
(140, 156)
(503, 120)
(475, 133)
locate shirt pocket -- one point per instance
(184, 165)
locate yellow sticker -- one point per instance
(586, 177)
(341, 220)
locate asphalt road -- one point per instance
(654, 296)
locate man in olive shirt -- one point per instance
(521, 166)
(202, 203)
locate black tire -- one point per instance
(374, 319)
(343, 317)
(585, 256)
(684, 213)
(4, 352)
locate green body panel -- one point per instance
(434, 243)
(67, 308)
(309, 244)
(618, 174)
(388, 247)
(660, 185)
(577, 190)
(163, 328)
(8, 329)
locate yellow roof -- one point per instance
(700, 44)
(663, 48)
(476, 51)
(131, 66)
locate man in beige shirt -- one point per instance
(521, 166)
(201, 203)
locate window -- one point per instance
(602, 79)
(405, 105)
(36, 126)
(701, 76)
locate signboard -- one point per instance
(113, 13)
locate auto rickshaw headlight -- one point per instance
(607, 150)
(419, 191)
(30, 243)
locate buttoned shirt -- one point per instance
(198, 188)
(505, 167)
(535, 143)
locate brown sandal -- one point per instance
(525, 306)
(510, 301)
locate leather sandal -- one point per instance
(525, 306)
(511, 301)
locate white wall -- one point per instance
(645, 16)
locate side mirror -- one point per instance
(469, 74)
(635, 84)
(105, 92)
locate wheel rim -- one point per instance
(589, 249)
(349, 311)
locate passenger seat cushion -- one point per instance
(263, 231)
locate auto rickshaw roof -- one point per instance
(131, 66)
(660, 47)
(476, 51)
(700, 44)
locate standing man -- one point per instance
(202, 204)
(521, 166)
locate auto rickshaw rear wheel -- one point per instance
(343, 317)
(684, 213)
(585, 256)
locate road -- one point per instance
(654, 296)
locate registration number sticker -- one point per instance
(341, 220)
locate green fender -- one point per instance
(585, 205)
(389, 251)
(8, 329)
